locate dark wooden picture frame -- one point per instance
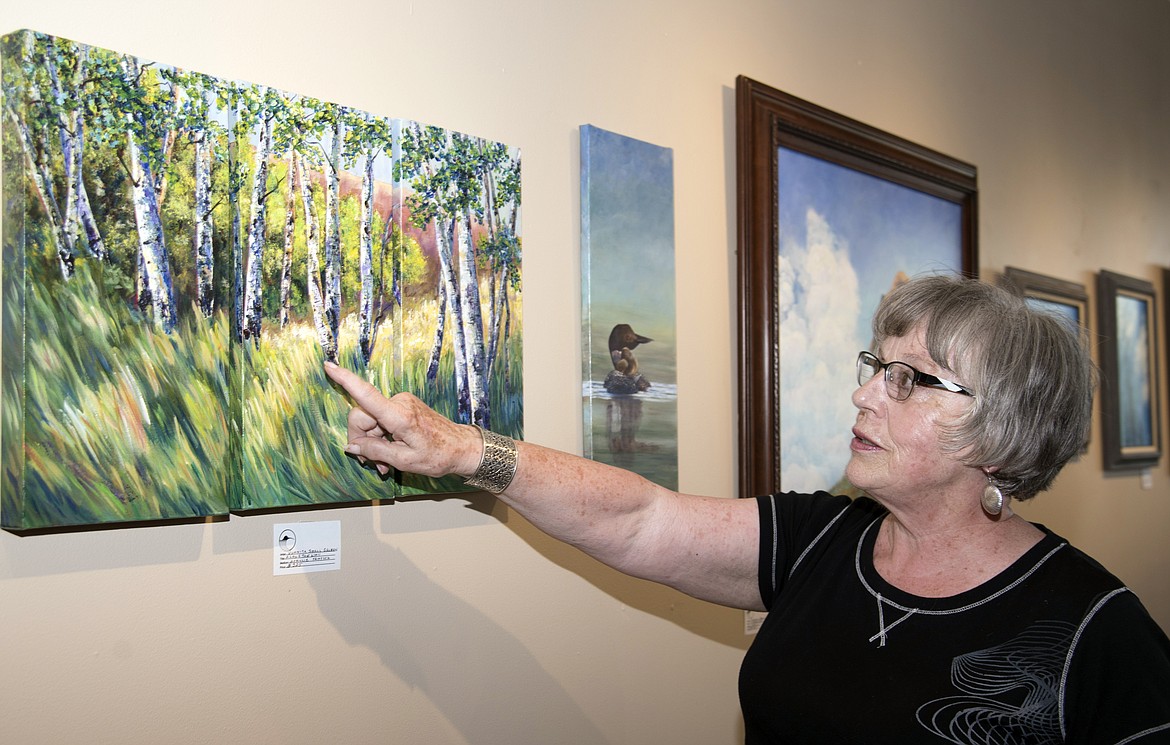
(1062, 296)
(766, 120)
(1070, 300)
(1127, 322)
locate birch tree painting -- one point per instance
(181, 254)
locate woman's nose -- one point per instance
(868, 393)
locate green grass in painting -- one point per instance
(505, 396)
(120, 423)
(294, 423)
(294, 420)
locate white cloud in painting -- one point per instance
(818, 309)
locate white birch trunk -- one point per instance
(387, 307)
(499, 290)
(43, 182)
(366, 331)
(154, 260)
(254, 290)
(152, 245)
(498, 284)
(505, 288)
(290, 222)
(440, 330)
(325, 335)
(68, 129)
(204, 251)
(93, 236)
(444, 235)
(492, 220)
(506, 332)
(236, 228)
(472, 324)
(333, 233)
(39, 158)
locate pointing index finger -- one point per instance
(364, 395)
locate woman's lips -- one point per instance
(860, 442)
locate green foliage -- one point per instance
(351, 283)
(178, 218)
(413, 265)
(278, 183)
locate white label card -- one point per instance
(752, 621)
(299, 548)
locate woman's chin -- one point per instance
(856, 475)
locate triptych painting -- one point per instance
(628, 315)
(183, 252)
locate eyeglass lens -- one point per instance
(899, 376)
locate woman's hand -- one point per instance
(404, 433)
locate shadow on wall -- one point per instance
(419, 631)
(714, 622)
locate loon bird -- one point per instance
(622, 340)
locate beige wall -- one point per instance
(454, 621)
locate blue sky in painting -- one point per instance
(1069, 313)
(843, 238)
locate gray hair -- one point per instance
(1031, 372)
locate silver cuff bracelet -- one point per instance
(497, 464)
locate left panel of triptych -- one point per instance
(116, 353)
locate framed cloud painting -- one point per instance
(832, 214)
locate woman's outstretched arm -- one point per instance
(704, 546)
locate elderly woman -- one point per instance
(925, 611)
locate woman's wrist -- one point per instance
(497, 462)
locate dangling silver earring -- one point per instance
(993, 498)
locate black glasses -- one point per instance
(901, 378)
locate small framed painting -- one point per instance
(1127, 312)
(1060, 297)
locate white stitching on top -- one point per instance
(1072, 647)
(949, 611)
(814, 541)
(883, 629)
